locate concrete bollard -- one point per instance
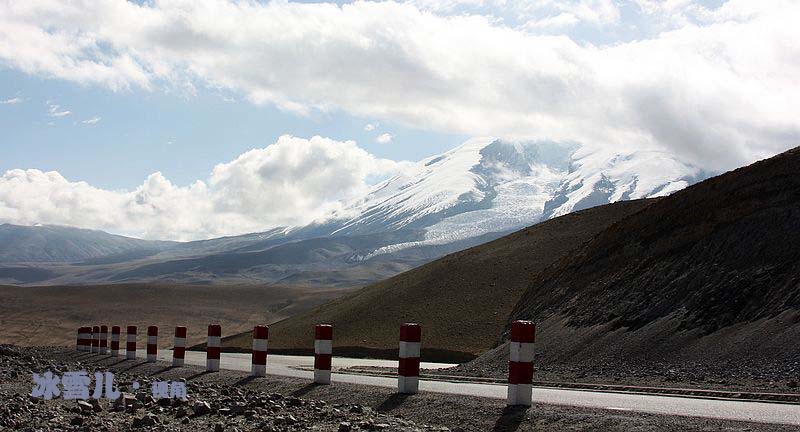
(87, 339)
(115, 340)
(152, 344)
(179, 347)
(79, 341)
(323, 353)
(408, 367)
(130, 346)
(95, 339)
(260, 339)
(520, 365)
(213, 347)
(103, 339)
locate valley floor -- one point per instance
(237, 402)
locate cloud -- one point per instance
(384, 138)
(369, 127)
(11, 101)
(290, 182)
(716, 85)
(92, 121)
(55, 110)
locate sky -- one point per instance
(179, 119)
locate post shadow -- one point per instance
(304, 390)
(246, 380)
(511, 418)
(392, 402)
(198, 375)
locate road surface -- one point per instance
(289, 366)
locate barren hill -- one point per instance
(705, 281)
(462, 300)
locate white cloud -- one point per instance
(384, 138)
(369, 127)
(11, 101)
(92, 121)
(717, 86)
(290, 182)
(55, 110)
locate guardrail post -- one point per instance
(152, 344)
(95, 339)
(130, 346)
(179, 346)
(323, 353)
(103, 339)
(115, 340)
(520, 365)
(408, 366)
(260, 342)
(213, 347)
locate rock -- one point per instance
(219, 427)
(85, 406)
(345, 427)
(76, 421)
(148, 420)
(792, 384)
(96, 407)
(357, 409)
(164, 402)
(201, 408)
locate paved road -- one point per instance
(667, 405)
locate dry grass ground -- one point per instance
(51, 315)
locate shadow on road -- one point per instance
(512, 417)
(392, 402)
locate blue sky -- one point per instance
(179, 119)
(183, 136)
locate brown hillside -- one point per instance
(462, 300)
(705, 282)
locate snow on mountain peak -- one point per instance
(487, 185)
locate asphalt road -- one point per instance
(760, 412)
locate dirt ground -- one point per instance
(51, 315)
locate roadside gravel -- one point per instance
(232, 401)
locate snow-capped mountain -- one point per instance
(488, 185)
(466, 196)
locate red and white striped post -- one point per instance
(212, 347)
(408, 367)
(152, 344)
(95, 339)
(81, 335)
(87, 339)
(103, 339)
(130, 346)
(115, 340)
(179, 347)
(323, 353)
(260, 339)
(520, 365)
